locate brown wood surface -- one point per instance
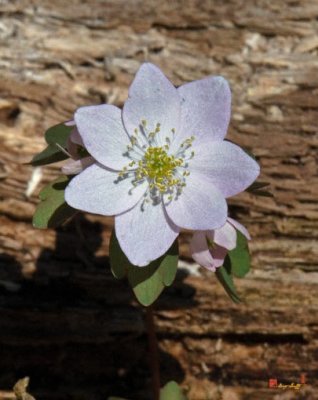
(64, 321)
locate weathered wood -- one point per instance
(64, 321)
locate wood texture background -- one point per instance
(64, 321)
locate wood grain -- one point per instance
(64, 321)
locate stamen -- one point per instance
(160, 169)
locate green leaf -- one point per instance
(53, 210)
(257, 185)
(119, 263)
(225, 278)
(147, 282)
(255, 188)
(171, 391)
(116, 398)
(240, 257)
(263, 193)
(52, 153)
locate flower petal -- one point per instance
(97, 190)
(225, 236)
(103, 134)
(210, 259)
(153, 98)
(200, 251)
(229, 167)
(73, 167)
(144, 234)
(218, 254)
(73, 141)
(71, 122)
(200, 206)
(205, 109)
(239, 227)
(75, 137)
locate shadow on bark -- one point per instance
(73, 328)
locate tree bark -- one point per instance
(64, 320)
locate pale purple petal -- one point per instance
(145, 234)
(75, 137)
(153, 98)
(200, 206)
(218, 254)
(240, 228)
(103, 134)
(200, 251)
(210, 259)
(71, 122)
(229, 167)
(74, 167)
(205, 109)
(99, 191)
(72, 149)
(73, 141)
(225, 236)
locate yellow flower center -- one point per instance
(158, 167)
(165, 173)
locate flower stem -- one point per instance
(153, 353)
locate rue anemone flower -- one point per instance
(209, 248)
(161, 163)
(79, 157)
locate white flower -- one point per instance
(77, 163)
(209, 248)
(161, 162)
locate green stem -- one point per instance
(153, 353)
